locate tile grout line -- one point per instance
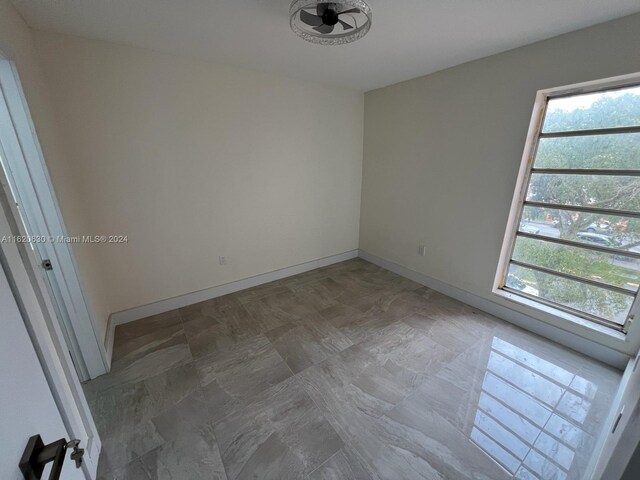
(320, 466)
(213, 431)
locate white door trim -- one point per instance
(30, 175)
(20, 265)
(620, 434)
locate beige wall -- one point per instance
(193, 161)
(442, 152)
(16, 42)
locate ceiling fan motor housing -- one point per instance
(329, 16)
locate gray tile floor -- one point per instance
(345, 372)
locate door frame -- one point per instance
(620, 434)
(20, 266)
(32, 185)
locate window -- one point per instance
(573, 245)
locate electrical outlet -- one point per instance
(422, 250)
(222, 260)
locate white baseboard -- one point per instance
(108, 341)
(599, 352)
(143, 311)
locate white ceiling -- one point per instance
(408, 38)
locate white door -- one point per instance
(27, 406)
(40, 393)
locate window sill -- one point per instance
(555, 313)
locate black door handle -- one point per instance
(36, 455)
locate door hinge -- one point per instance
(617, 421)
(46, 264)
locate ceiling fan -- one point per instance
(326, 16)
(330, 23)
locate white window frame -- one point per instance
(627, 334)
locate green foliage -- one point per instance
(577, 262)
(619, 151)
(606, 112)
(616, 152)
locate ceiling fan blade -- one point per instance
(321, 8)
(324, 29)
(345, 25)
(310, 19)
(352, 10)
